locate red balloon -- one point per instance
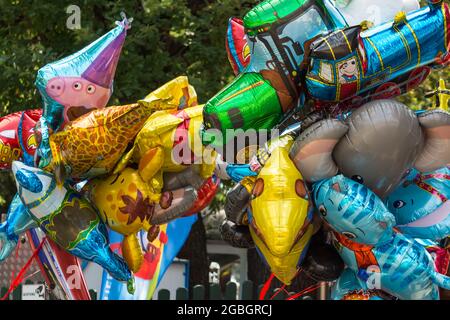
(205, 195)
(237, 46)
(17, 136)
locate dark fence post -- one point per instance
(93, 294)
(214, 292)
(163, 294)
(182, 294)
(230, 291)
(247, 290)
(17, 293)
(3, 291)
(198, 292)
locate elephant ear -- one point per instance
(312, 150)
(436, 152)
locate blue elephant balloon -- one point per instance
(368, 244)
(350, 287)
(421, 204)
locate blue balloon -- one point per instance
(18, 221)
(350, 287)
(237, 172)
(366, 240)
(69, 219)
(421, 204)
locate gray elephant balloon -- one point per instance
(376, 145)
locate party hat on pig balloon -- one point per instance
(82, 81)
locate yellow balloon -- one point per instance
(91, 145)
(176, 94)
(170, 142)
(281, 220)
(126, 204)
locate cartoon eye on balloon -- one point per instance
(258, 188)
(90, 89)
(322, 210)
(77, 86)
(349, 235)
(399, 204)
(358, 178)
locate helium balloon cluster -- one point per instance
(349, 185)
(75, 175)
(348, 160)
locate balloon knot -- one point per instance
(126, 22)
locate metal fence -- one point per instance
(247, 292)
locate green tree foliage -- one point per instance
(168, 38)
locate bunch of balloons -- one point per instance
(351, 162)
(76, 176)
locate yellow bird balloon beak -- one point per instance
(280, 222)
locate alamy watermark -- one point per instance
(73, 21)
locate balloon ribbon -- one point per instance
(18, 280)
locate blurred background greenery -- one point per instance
(168, 38)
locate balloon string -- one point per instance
(266, 287)
(13, 273)
(19, 278)
(278, 291)
(303, 292)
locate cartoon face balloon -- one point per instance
(82, 81)
(376, 145)
(421, 204)
(281, 215)
(353, 210)
(367, 243)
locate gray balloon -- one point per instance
(383, 141)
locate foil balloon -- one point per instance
(368, 244)
(205, 195)
(376, 145)
(68, 219)
(421, 204)
(235, 172)
(18, 221)
(375, 11)
(91, 145)
(271, 85)
(169, 142)
(174, 95)
(126, 204)
(174, 204)
(17, 137)
(238, 50)
(82, 81)
(281, 215)
(354, 65)
(350, 287)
